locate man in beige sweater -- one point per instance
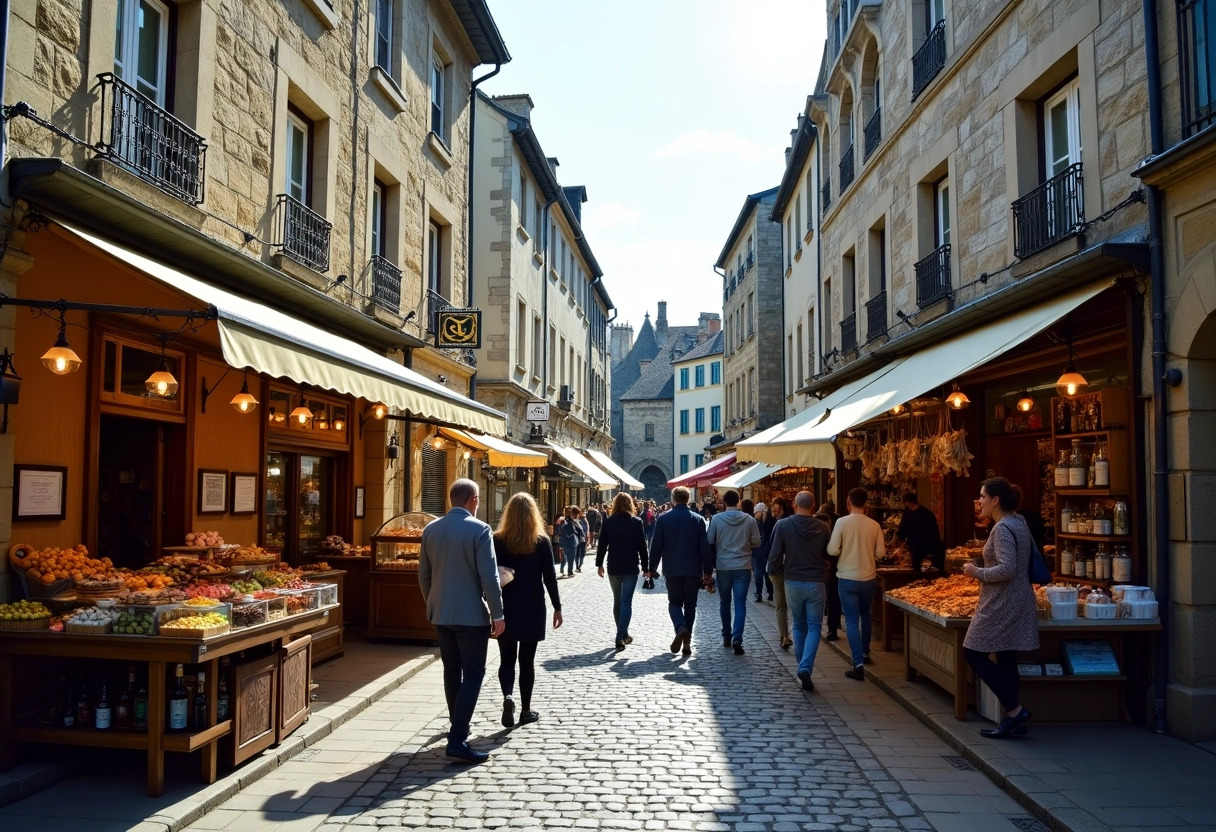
(857, 542)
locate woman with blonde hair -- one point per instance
(521, 543)
(623, 541)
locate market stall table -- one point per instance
(158, 653)
(890, 622)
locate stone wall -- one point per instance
(639, 453)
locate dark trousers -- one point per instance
(760, 571)
(463, 651)
(526, 652)
(682, 600)
(832, 586)
(1000, 676)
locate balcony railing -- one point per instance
(929, 59)
(435, 303)
(303, 234)
(846, 167)
(876, 316)
(149, 141)
(751, 260)
(386, 284)
(1049, 213)
(848, 333)
(873, 132)
(933, 277)
(826, 194)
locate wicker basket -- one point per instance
(88, 629)
(37, 589)
(199, 633)
(26, 625)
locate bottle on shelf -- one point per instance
(1121, 566)
(1119, 524)
(68, 716)
(1076, 463)
(1102, 564)
(179, 703)
(1095, 412)
(1102, 467)
(1091, 570)
(1061, 473)
(1079, 570)
(1066, 515)
(198, 711)
(1067, 559)
(103, 715)
(122, 708)
(1091, 478)
(139, 708)
(1063, 416)
(221, 698)
(84, 711)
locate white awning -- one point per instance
(749, 475)
(604, 461)
(806, 439)
(598, 478)
(269, 341)
(502, 454)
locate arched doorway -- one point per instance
(656, 484)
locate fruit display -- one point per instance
(155, 597)
(298, 603)
(207, 623)
(206, 589)
(204, 539)
(134, 623)
(90, 620)
(245, 555)
(246, 587)
(249, 614)
(141, 582)
(952, 597)
(182, 570)
(23, 611)
(47, 566)
(200, 601)
(319, 566)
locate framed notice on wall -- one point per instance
(40, 492)
(212, 491)
(244, 493)
(360, 499)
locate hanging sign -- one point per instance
(459, 328)
(538, 411)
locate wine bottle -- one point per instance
(221, 699)
(139, 710)
(122, 708)
(84, 713)
(179, 703)
(199, 710)
(103, 716)
(68, 717)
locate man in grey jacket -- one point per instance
(734, 535)
(798, 549)
(458, 574)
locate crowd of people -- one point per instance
(480, 583)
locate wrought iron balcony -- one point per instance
(826, 194)
(435, 303)
(846, 167)
(848, 333)
(873, 132)
(929, 59)
(386, 284)
(303, 234)
(150, 141)
(751, 260)
(876, 316)
(933, 277)
(1049, 213)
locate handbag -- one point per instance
(1036, 569)
(505, 575)
(648, 583)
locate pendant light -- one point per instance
(1071, 383)
(898, 409)
(301, 414)
(61, 359)
(957, 399)
(244, 402)
(162, 384)
(339, 423)
(1025, 403)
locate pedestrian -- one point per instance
(857, 544)
(734, 534)
(708, 510)
(760, 554)
(522, 545)
(680, 537)
(581, 519)
(570, 536)
(1005, 619)
(798, 550)
(918, 529)
(458, 575)
(594, 520)
(649, 515)
(782, 507)
(832, 586)
(623, 543)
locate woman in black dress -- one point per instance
(522, 544)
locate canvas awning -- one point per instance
(586, 467)
(806, 439)
(501, 454)
(704, 474)
(751, 474)
(269, 341)
(604, 461)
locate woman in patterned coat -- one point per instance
(1005, 620)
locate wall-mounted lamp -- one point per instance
(61, 359)
(394, 448)
(957, 399)
(898, 409)
(244, 402)
(377, 411)
(10, 386)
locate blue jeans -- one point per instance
(760, 570)
(623, 587)
(806, 600)
(856, 601)
(732, 585)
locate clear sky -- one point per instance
(670, 112)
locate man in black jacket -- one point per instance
(798, 549)
(679, 535)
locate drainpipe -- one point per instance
(468, 237)
(725, 342)
(1161, 376)
(4, 17)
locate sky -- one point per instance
(669, 112)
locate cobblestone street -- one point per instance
(637, 740)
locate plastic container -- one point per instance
(1097, 610)
(1064, 610)
(166, 614)
(246, 614)
(327, 595)
(1061, 594)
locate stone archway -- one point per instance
(655, 481)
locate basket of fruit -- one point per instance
(24, 615)
(196, 625)
(45, 573)
(135, 621)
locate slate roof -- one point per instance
(657, 381)
(628, 370)
(711, 346)
(745, 213)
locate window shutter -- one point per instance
(434, 480)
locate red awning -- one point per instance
(707, 474)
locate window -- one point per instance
(299, 156)
(523, 202)
(683, 463)
(751, 313)
(700, 375)
(1197, 60)
(538, 345)
(683, 378)
(552, 356)
(715, 372)
(698, 460)
(434, 257)
(377, 218)
(825, 326)
(941, 212)
(796, 381)
(751, 392)
(683, 421)
(521, 334)
(438, 97)
(810, 211)
(796, 230)
(789, 242)
(715, 418)
(650, 431)
(565, 378)
(1062, 129)
(1055, 208)
(141, 47)
(790, 356)
(700, 420)
(384, 35)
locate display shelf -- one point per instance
(88, 737)
(1060, 577)
(1096, 538)
(1091, 434)
(1020, 434)
(1064, 493)
(195, 740)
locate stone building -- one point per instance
(697, 404)
(299, 168)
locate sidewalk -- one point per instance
(1071, 776)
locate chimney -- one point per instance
(553, 164)
(714, 324)
(622, 340)
(520, 104)
(660, 324)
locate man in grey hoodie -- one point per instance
(798, 549)
(733, 534)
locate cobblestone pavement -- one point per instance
(637, 740)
